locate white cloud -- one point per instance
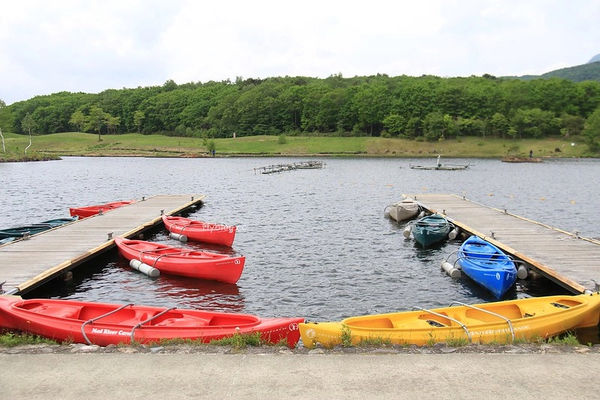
(90, 46)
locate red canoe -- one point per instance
(84, 212)
(183, 262)
(200, 231)
(103, 324)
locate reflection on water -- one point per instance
(316, 242)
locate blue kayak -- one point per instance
(431, 229)
(487, 265)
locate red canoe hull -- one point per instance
(62, 320)
(84, 212)
(201, 231)
(183, 262)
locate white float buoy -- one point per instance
(421, 214)
(406, 232)
(522, 272)
(451, 270)
(144, 268)
(454, 233)
(177, 236)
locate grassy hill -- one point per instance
(578, 73)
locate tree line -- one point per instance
(426, 108)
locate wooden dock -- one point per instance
(565, 258)
(28, 263)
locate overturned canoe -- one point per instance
(200, 231)
(103, 324)
(60, 221)
(183, 262)
(499, 322)
(403, 210)
(487, 265)
(27, 230)
(88, 211)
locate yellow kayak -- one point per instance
(499, 322)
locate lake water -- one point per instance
(316, 242)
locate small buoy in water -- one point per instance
(522, 272)
(177, 236)
(144, 268)
(454, 233)
(406, 232)
(451, 270)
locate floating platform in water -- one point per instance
(444, 167)
(522, 159)
(441, 167)
(271, 169)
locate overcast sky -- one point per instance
(89, 46)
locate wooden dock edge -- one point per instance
(63, 267)
(545, 270)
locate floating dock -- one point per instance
(28, 263)
(567, 259)
(271, 169)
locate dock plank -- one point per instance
(567, 259)
(26, 264)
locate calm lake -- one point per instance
(316, 242)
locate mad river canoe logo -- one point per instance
(104, 331)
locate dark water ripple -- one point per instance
(316, 242)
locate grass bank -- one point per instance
(85, 144)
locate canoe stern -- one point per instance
(6, 320)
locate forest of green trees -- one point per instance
(425, 107)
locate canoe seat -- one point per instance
(183, 321)
(378, 323)
(425, 323)
(547, 308)
(510, 311)
(436, 321)
(57, 311)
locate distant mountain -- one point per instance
(579, 73)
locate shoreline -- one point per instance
(307, 155)
(439, 348)
(78, 144)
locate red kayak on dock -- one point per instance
(200, 231)
(103, 324)
(183, 262)
(84, 212)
